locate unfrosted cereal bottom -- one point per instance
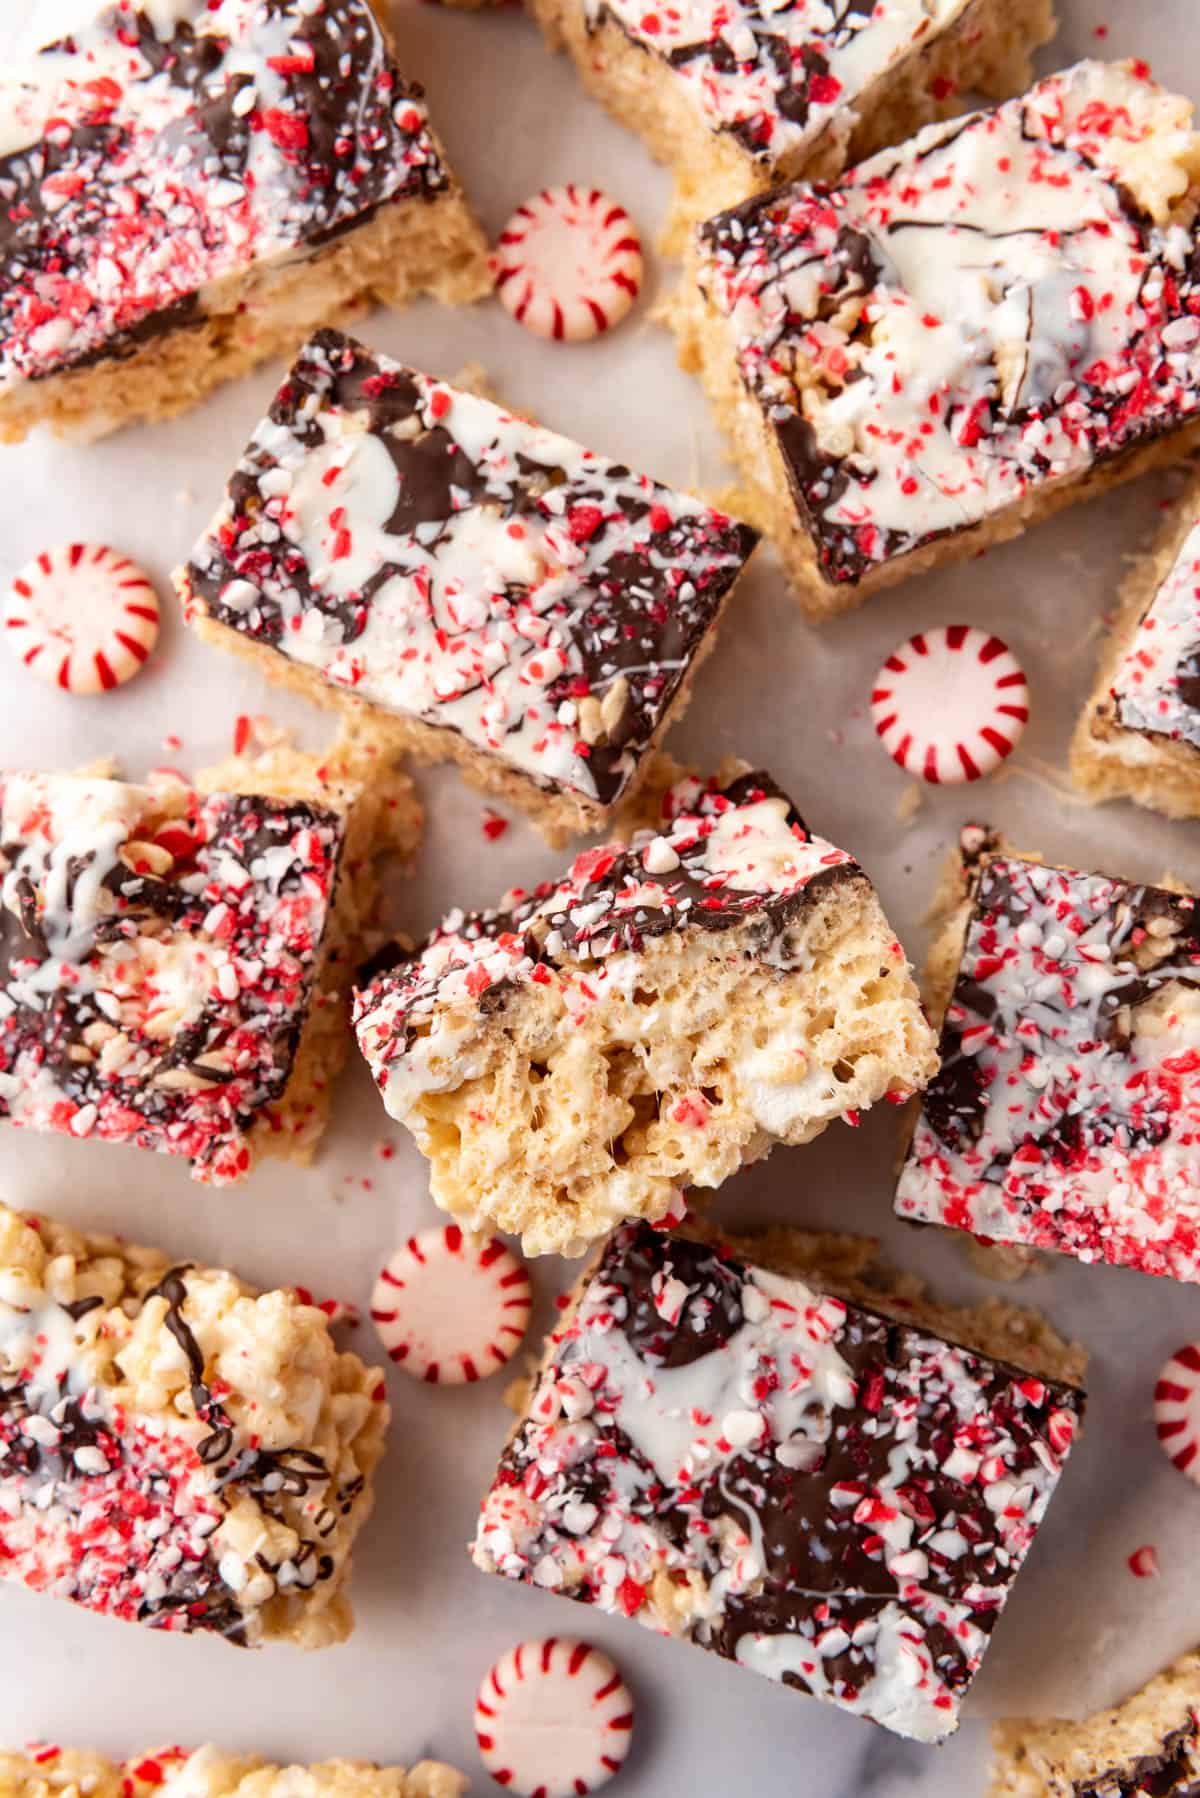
(408, 248)
(177, 1449)
(357, 776)
(47, 1771)
(764, 498)
(1109, 761)
(1149, 1744)
(676, 1078)
(986, 51)
(558, 816)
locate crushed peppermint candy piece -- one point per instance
(1177, 1409)
(569, 263)
(553, 1719)
(82, 617)
(451, 1307)
(1143, 1562)
(950, 704)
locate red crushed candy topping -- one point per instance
(181, 968)
(1064, 1115)
(1143, 1562)
(234, 134)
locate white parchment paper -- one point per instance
(1080, 1629)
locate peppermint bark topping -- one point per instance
(157, 957)
(776, 76)
(1066, 1111)
(1156, 689)
(970, 316)
(160, 149)
(827, 1497)
(432, 553)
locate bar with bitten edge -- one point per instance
(1148, 1745)
(683, 999)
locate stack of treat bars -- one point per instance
(922, 329)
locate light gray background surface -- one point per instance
(1081, 1628)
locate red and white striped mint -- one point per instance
(568, 263)
(1177, 1409)
(950, 703)
(451, 1307)
(82, 617)
(553, 1718)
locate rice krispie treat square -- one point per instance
(175, 1448)
(739, 96)
(964, 334)
(828, 1491)
(1139, 734)
(47, 1771)
(1066, 1112)
(674, 1006)
(175, 961)
(492, 591)
(191, 187)
(1150, 1744)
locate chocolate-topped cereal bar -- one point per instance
(47, 1770)
(1139, 735)
(190, 185)
(829, 1493)
(174, 962)
(738, 96)
(495, 592)
(175, 1448)
(1148, 1747)
(1066, 1113)
(669, 1010)
(965, 333)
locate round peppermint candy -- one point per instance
(553, 1719)
(451, 1307)
(950, 703)
(568, 263)
(1177, 1409)
(82, 617)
